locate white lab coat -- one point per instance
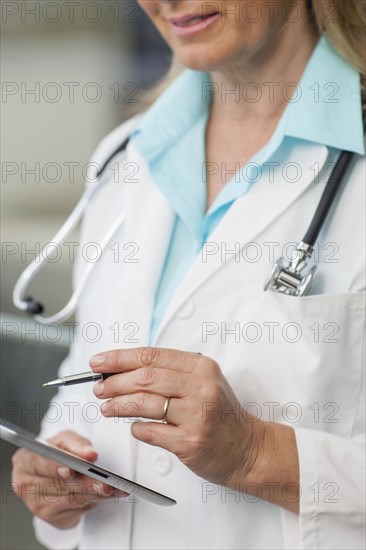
(296, 361)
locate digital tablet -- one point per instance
(19, 437)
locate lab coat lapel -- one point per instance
(249, 216)
(147, 232)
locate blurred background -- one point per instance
(71, 72)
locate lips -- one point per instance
(187, 20)
(190, 25)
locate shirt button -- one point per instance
(162, 463)
(186, 310)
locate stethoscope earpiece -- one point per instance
(33, 307)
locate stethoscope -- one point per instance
(287, 277)
(32, 306)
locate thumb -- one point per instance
(74, 443)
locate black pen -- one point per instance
(78, 379)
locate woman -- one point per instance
(259, 392)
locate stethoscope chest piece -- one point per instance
(286, 282)
(289, 279)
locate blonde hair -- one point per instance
(344, 22)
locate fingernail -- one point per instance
(104, 408)
(97, 359)
(96, 489)
(98, 388)
(88, 449)
(102, 490)
(64, 473)
(106, 491)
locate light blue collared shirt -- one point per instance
(325, 108)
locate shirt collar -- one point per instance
(179, 107)
(325, 107)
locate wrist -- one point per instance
(270, 466)
(250, 467)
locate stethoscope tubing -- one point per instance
(30, 272)
(34, 267)
(328, 196)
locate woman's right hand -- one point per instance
(53, 492)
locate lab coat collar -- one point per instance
(249, 216)
(147, 229)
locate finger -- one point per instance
(159, 435)
(56, 487)
(74, 443)
(39, 466)
(123, 360)
(32, 467)
(91, 492)
(148, 379)
(145, 405)
(36, 494)
(84, 482)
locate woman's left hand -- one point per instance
(206, 427)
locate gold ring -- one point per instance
(165, 410)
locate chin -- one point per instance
(202, 58)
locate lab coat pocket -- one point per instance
(304, 353)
